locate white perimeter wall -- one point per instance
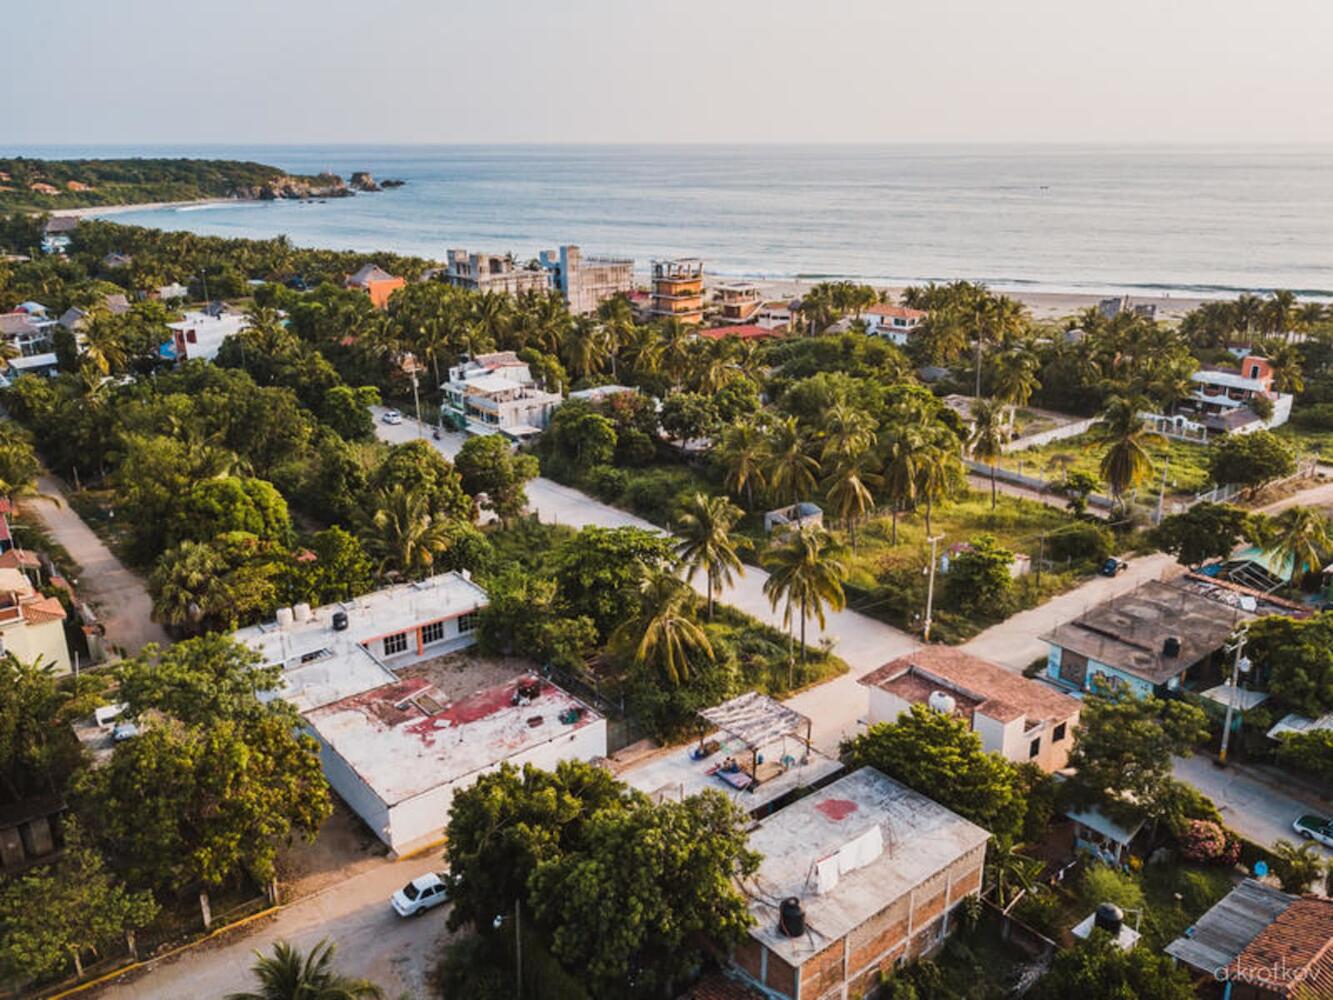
(885, 706)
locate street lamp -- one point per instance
(1240, 665)
(930, 587)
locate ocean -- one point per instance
(1149, 220)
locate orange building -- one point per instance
(376, 282)
(678, 290)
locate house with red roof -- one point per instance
(32, 626)
(892, 322)
(376, 282)
(1023, 720)
(742, 331)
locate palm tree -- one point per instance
(846, 431)
(704, 528)
(806, 572)
(986, 441)
(586, 348)
(674, 355)
(1299, 536)
(404, 537)
(663, 633)
(1009, 871)
(935, 465)
(1015, 377)
(1247, 312)
(791, 472)
(1297, 866)
(289, 975)
(1126, 461)
(1278, 312)
(742, 452)
(848, 491)
(1288, 365)
(188, 591)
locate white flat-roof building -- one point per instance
(496, 393)
(587, 282)
(856, 876)
(200, 335)
(393, 746)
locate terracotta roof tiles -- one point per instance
(1295, 951)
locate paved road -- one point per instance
(1250, 802)
(119, 595)
(373, 942)
(1014, 642)
(863, 642)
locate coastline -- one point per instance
(89, 211)
(1040, 305)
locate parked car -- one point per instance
(1313, 827)
(392, 417)
(421, 894)
(1113, 567)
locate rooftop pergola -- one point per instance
(757, 721)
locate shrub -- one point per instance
(1080, 542)
(606, 482)
(1101, 884)
(657, 493)
(1314, 418)
(1197, 891)
(1040, 910)
(1208, 843)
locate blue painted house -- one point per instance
(1157, 638)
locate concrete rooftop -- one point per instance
(920, 837)
(401, 741)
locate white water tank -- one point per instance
(285, 617)
(301, 612)
(942, 702)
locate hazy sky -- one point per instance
(291, 71)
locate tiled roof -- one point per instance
(19, 558)
(14, 323)
(989, 688)
(896, 312)
(1295, 951)
(47, 609)
(369, 273)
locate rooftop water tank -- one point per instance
(1171, 646)
(340, 621)
(942, 702)
(1109, 918)
(301, 612)
(285, 617)
(791, 917)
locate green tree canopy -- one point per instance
(1205, 531)
(599, 571)
(421, 470)
(1097, 969)
(1251, 459)
(289, 975)
(198, 680)
(940, 756)
(232, 503)
(489, 466)
(54, 916)
(979, 580)
(1123, 748)
(38, 751)
(1297, 658)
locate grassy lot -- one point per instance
(97, 508)
(1186, 474)
(1308, 441)
(889, 581)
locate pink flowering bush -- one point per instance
(1207, 843)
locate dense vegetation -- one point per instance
(135, 181)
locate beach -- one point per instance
(1040, 305)
(92, 211)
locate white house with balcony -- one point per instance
(496, 394)
(893, 323)
(1223, 399)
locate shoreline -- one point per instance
(1042, 305)
(88, 211)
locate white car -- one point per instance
(421, 894)
(392, 417)
(1313, 827)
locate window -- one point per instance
(1034, 747)
(394, 644)
(1059, 733)
(433, 632)
(1254, 371)
(467, 622)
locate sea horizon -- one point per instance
(1187, 219)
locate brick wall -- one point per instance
(822, 972)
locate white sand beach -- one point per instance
(91, 211)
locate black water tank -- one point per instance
(1109, 918)
(791, 917)
(340, 621)
(1171, 646)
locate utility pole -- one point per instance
(1041, 554)
(1239, 665)
(1161, 493)
(930, 587)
